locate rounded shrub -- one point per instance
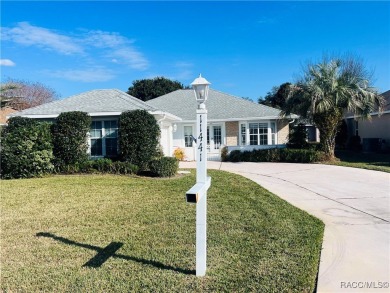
(138, 137)
(26, 149)
(70, 138)
(164, 167)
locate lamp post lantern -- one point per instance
(198, 193)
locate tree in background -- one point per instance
(326, 90)
(148, 89)
(21, 94)
(277, 97)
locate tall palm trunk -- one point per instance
(327, 123)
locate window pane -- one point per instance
(258, 133)
(111, 129)
(96, 147)
(111, 147)
(263, 131)
(96, 129)
(188, 136)
(243, 134)
(273, 132)
(217, 137)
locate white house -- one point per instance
(233, 121)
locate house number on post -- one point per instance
(200, 139)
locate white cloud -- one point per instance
(118, 48)
(103, 48)
(130, 56)
(84, 75)
(29, 35)
(106, 39)
(6, 62)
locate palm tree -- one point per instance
(328, 89)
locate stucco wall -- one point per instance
(283, 129)
(378, 127)
(232, 133)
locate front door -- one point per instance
(214, 138)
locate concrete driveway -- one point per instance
(353, 203)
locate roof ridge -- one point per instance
(127, 97)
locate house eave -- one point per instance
(167, 115)
(93, 114)
(371, 114)
(243, 119)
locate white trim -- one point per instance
(247, 135)
(35, 116)
(103, 137)
(167, 115)
(371, 114)
(95, 114)
(240, 119)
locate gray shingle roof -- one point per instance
(104, 100)
(220, 106)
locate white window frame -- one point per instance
(103, 121)
(269, 131)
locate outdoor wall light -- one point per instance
(201, 89)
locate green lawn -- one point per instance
(371, 161)
(106, 233)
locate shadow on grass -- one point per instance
(103, 254)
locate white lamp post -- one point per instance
(198, 193)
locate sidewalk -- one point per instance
(353, 203)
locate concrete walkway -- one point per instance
(353, 203)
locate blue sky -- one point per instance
(242, 48)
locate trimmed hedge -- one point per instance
(26, 149)
(164, 167)
(138, 137)
(100, 166)
(70, 138)
(277, 155)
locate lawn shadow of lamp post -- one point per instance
(103, 254)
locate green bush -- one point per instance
(70, 138)
(297, 137)
(234, 156)
(100, 166)
(26, 149)
(277, 155)
(164, 167)
(124, 168)
(138, 137)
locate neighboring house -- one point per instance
(104, 106)
(232, 121)
(374, 133)
(4, 112)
